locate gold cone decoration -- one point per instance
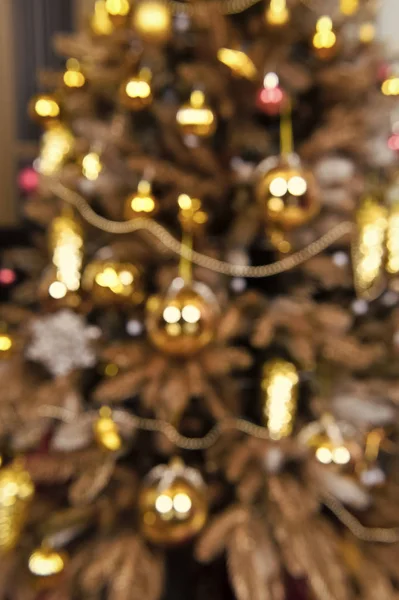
(280, 389)
(16, 493)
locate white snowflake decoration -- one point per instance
(63, 342)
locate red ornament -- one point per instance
(7, 276)
(28, 180)
(271, 97)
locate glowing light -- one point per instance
(66, 242)
(171, 314)
(277, 13)
(324, 36)
(47, 107)
(5, 343)
(390, 87)
(369, 252)
(278, 187)
(341, 455)
(392, 264)
(146, 205)
(191, 313)
(280, 382)
(324, 455)
(56, 145)
(271, 95)
(101, 24)
(275, 204)
(152, 19)
(393, 142)
(238, 62)
(184, 201)
(7, 276)
(367, 33)
(271, 80)
(182, 503)
(107, 278)
(46, 563)
(163, 504)
(297, 186)
(136, 88)
(349, 7)
(117, 7)
(126, 277)
(58, 290)
(74, 79)
(91, 166)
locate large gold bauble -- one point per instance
(111, 282)
(44, 109)
(173, 504)
(183, 321)
(196, 117)
(288, 193)
(16, 492)
(152, 20)
(54, 294)
(135, 92)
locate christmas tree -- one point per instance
(200, 391)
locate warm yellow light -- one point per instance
(390, 87)
(101, 24)
(47, 107)
(117, 7)
(280, 384)
(142, 204)
(367, 33)
(191, 314)
(349, 7)
(197, 99)
(238, 62)
(163, 504)
(111, 370)
(324, 455)
(324, 36)
(136, 88)
(126, 277)
(56, 145)
(152, 19)
(297, 186)
(341, 455)
(91, 166)
(393, 240)
(58, 290)
(46, 563)
(108, 278)
(171, 314)
(277, 13)
(275, 204)
(278, 187)
(182, 503)
(74, 79)
(370, 248)
(195, 116)
(184, 201)
(5, 343)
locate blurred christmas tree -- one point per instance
(172, 426)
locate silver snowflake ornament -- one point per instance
(63, 342)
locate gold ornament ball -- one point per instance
(141, 203)
(288, 194)
(16, 493)
(47, 565)
(44, 109)
(196, 117)
(173, 504)
(152, 20)
(135, 92)
(184, 320)
(111, 282)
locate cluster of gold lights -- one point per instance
(177, 506)
(324, 38)
(106, 431)
(390, 87)
(280, 386)
(56, 145)
(142, 202)
(73, 76)
(196, 117)
(66, 242)
(330, 446)
(117, 281)
(191, 213)
(92, 165)
(16, 492)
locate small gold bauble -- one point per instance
(288, 193)
(135, 92)
(16, 492)
(111, 282)
(44, 109)
(196, 117)
(54, 293)
(142, 203)
(106, 431)
(184, 320)
(118, 11)
(173, 504)
(152, 20)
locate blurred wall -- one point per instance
(389, 23)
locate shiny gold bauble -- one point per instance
(118, 11)
(47, 566)
(106, 431)
(173, 504)
(141, 203)
(152, 20)
(196, 117)
(135, 92)
(54, 294)
(44, 109)
(288, 193)
(184, 320)
(16, 493)
(111, 282)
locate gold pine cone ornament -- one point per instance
(184, 320)
(173, 504)
(16, 493)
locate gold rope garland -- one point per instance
(213, 264)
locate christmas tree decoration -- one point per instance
(56, 145)
(392, 240)
(92, 166)
(390, 86)
(118, 11)
(239, 62)
(73, 76)
(349, 7)
(28, 180)
(16, 493)
(271, 97)
(100, 22)
(280, 381)
(7, 346)
(135, 92)
(46, 562)
(106, 431)
(62, 342)
(367, 32)
(368, 248)
(111, 282)
(329, 441)
(54, 294)
(183, 321)
(196, 117)
(66, 244)
(142, 203)
(277, 13)
(44, 109)
(191, 215)
(7, 276)
(152, 20)
(325, 40)
(368, 468)
(173, 504)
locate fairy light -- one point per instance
(196, 117)
(91, 166)
(182, 503)
(370, 248)
(277, 12)
(5, 343)
(56, 145)
(47, 107)
(142, 201)
(46, 563)
(73, 76)
(280, 385)
(392, 264)
(238, 62)
(172, 314)
(324, 38)
(117, 8)
(349, 7)
(120, 282)
(101, 24)
(390, 87)
(163, 504)
(66, 241)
